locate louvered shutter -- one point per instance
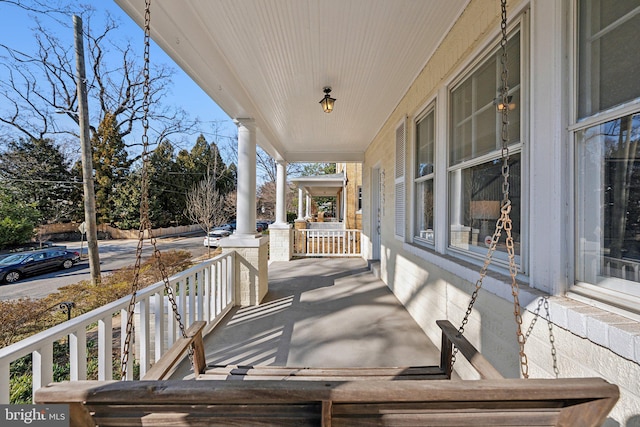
(401, 136)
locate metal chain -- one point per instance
(145, 223)
(552, 340)
(504, 222)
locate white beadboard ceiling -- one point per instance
(270, 59)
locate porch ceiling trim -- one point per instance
(320, 185)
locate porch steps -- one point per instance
(249, 373)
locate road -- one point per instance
(114, 254)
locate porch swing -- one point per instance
(412, 396)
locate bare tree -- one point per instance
(206, 205)
(41, 84)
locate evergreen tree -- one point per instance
(36, 173)
(126, 202)
(110, 164)
(166, 199)
(17, 220)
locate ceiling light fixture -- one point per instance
(327, 101)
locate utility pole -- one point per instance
(87, 164)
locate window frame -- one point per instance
(610, 297)
(518, 26)
(430, 109)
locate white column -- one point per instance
(344, 203)
(281, 191)
(300, 204)
(246, 193)
(308, 207)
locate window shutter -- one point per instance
(399, 179)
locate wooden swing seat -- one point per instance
(285, 396)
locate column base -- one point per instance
(280, 242)
(251, 267)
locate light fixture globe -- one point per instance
(327, 102)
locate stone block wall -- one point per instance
(280, 243)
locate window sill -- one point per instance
(598, 322)
(606, 299)
(603, 324)
(497, 281)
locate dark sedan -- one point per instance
(16, 266)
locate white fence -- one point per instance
(327, 243)
(203, 292)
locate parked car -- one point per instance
(16, 266)
(212, 240)
(223, 229)
(262, 225)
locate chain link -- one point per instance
(145, 223)
(552, 341)
(504, 222)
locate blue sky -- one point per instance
(16, 31)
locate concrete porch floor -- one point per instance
(320, 312)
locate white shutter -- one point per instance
(401, 137)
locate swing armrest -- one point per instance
(478, 361)
(163, 367)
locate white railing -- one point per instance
(327, 243)
(622, 268)
(203, 292)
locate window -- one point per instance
(359, 201)
(608, 150)
(608, 54)
(424, 173)
(609, 205)
(475, 181)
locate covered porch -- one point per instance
(328, 312)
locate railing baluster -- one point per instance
(42, 360)
(171, 317)
(206, 279)
(158, 318)
(200, 296)
(78, 354)
(105, 343)
(124, 315)
(217, 283)
(5, 368)
(192, 300)
(143, 328)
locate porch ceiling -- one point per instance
(270, 59)
(320, 185)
